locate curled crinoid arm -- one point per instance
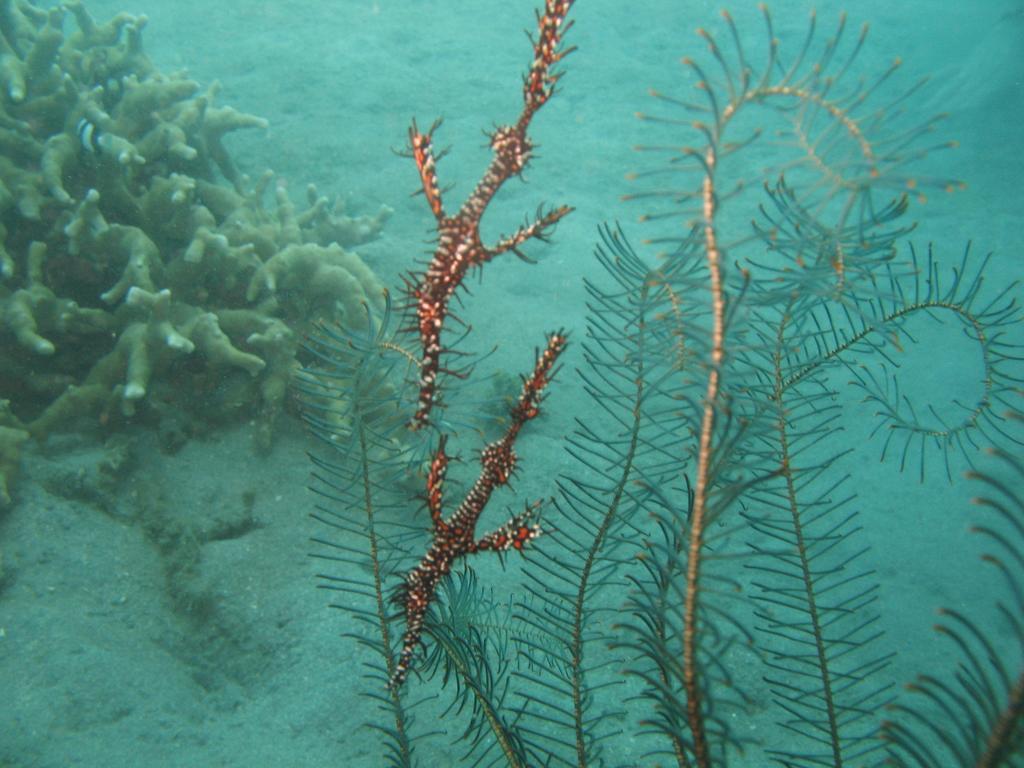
(887, 341)
(846, 146)
(455, 537)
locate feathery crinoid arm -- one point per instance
(845, 143)
(788, 307)
(625, 485)
(354, 401)
(973, 713)
(818, 597)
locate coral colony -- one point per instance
(130, 274)
(458, 249)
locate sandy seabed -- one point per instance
(159, 610)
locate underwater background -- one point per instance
(157, 607)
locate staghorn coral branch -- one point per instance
(458, 237)
(455, 537)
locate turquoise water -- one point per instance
(168, 616)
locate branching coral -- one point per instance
(34, 310)
(12, 436)
(125, 258)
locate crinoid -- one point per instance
(814, 291)
(705, 593)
